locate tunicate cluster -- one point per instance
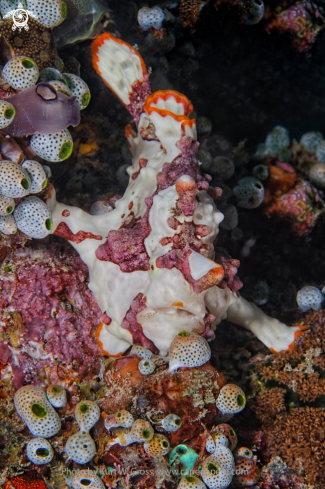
(222, 167)
(309, 298)
(80, 447)
(122, 419)
(32, 215)
(277, 141)
(34, 408)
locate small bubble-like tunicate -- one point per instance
(230, 433)
(320, 152)
(20, 72)
(191, 482)
(205, 159)
(261, 152)
(230, 216)
(78, 89)
(8, 224)
(87, 413)
(309, 298)
(203, 126)
(214, 474)
(34, 408)
(261, 172)
(50, 74)
(33, 218)
(150, 17)
(317, 175)
(14, 180)
(171, 423)
(249, 193)
(244, 452)
(60, 87)
(49, 14)
(310, 140)
(146, 367)
(141, 352)
(285, 155)
(37, 175)
(122, 176)
(86, 479)
(188, 350)
(52, 147)
(7, 205)
(57, 395)
(256, 290)
(157, 447)
(7, 113)
(122, 419)
(141, 431)
(39, 451)
(231, 399)
(277, 140)
(80, 448)
(222, 167)
(255, 12)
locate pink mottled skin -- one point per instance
(140, 92)
(49, 288)
(230, 267)
(131, 324)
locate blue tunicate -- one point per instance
(309, 298)
(182, 454)
(310, 140)
(277, 140)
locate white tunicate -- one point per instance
(230, 214)
(255, 12)
(141, 431)
(57, 395)
(60, 87)
(310, 140)
(261, 172)
(86, 479)
(49, 14)
(14, 180)
(122, 176)
(8, 224)
(50, 74)
(188, 350)
(320, 152)
(7, 205)
(39, 451)
(244, 452)
(20, 72)
(309, 298)
(87, 413)
(52, 147)
(249, 193)
(171, 423)
(78, 89)
(7, 6)
(141, 352)
(37, 175)
(231, 399)
(120, 419)
(277, 140)
(222, 167)
(33, 218)
(214, 474)
(80, 448)
(7, 113)
(150, 17)
(146, 367)
(34, 408)
(317, 175)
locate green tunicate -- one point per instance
(241, 400)
(44, 184)
(84, 408)
(64, 10)
(42, 452)
(28, 63)
(9, 113)
(7, 269)
(146, 434)
(184, 455)
(49, 224)
(83, 21)
(65, 151)
(56, 389)
(25, 183)
(85, 99)
(39, 410)
(9, 209)
(183, 334)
